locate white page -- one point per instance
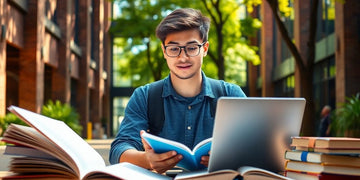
(127, 171)
(86, 158)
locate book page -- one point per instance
(125, 171)
(202, 149)
(249, 172)
(202, 144)
(205, 175)
(29, 137)
(85, 157)
(161, 145)
(23, 165)
(26, 151)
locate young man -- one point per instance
(187, 95)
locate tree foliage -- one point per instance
(231, 49)
(63, 112)
(142, 59)
(8, 119)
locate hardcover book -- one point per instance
(326, 142)
(321, 168)
(319, 176)
(328, 159)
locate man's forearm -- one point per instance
(135, 157)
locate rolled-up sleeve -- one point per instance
(135, 120)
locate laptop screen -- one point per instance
(254, 132)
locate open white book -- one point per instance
(73, 158)
(191, 158)
(245, 173)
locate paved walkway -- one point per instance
(102, 146)
(4, 160)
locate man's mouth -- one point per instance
(184, 66)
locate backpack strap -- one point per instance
(218, 89)
(155, 107)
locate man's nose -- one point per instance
(183, 52)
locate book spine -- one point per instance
(303, 156)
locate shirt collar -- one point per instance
(205, 88)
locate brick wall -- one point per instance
(40, 39)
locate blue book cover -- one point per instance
(191, 158)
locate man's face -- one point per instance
(184, 66)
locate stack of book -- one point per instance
(323, 158)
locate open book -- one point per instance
(191, 158)
(245, 172)
(68, 155)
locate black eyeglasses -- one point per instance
(190, 50)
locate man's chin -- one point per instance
(184, 76)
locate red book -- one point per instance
(320, 176)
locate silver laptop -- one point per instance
(254, 132)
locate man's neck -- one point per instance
(187, 87)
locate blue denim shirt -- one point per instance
(187, 120)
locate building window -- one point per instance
(326, 19)
(47, 83)
(324, 83)
(76, 28)
(118, 60)
(119, 104)
(289, 24)
(285, 87)
(73, 92)
(51, 10)
(92, 29)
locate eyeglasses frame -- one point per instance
(184, 47)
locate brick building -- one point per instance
(56, 50)
(336, 69)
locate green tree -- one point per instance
(136, 25)
(8, 119)
(139, 18)
(230, 46)
(63, 112)
(304, 64)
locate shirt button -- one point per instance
(189, 127)
(189, 107)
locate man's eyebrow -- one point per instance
(190, 42)
(172, 42)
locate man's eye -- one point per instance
(173, 48)
(192, 48)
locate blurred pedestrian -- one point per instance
(324, 128)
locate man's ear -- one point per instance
(163, 49)
(206, 48)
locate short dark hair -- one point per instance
(182, 20)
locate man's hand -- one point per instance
(160, 162)
(205, 160)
